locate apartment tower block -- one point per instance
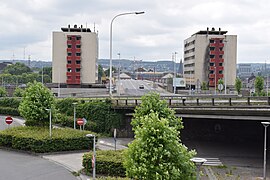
(75, 55)
(210, 55)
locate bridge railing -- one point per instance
(197, 101)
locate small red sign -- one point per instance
(80, 121)
(9, 120)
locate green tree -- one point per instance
(47, 74)
(107, 72)
(16, 69)
(100, 72)
(238, 85)
(259, 83)
(3, 92)
(156, 152)
(204, 86)
(18, 92)
(36, 99)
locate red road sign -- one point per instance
(80, 121)
(9, 120)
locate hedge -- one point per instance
(108, 163)
(37, 139)
(9, 106)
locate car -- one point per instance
(141, 86)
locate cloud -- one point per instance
(153, 35)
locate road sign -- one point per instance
(80, 121)
(220, 87)
(9, 120)
(84, 121)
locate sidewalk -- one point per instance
(73, 161)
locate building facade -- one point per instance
(75, 55)
(210, 55)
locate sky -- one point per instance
(27, 26)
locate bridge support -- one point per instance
(213, 101)
(230, 101)
(183, 101)
(197, 102)
(248, 100)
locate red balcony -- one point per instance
(78, 50)
(212, 53)
(212, 76)
(69, 41)
(221, 60)
(78, 42)
(211, 83)
(212, 60)
(78, 57)
(211, 68)
(221, 52)
(71, 81)
(220, 76)
(220, 68)
(69, 58)
(69, 50)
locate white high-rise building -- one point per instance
(75, 55)
(210, 55)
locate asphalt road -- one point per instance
(131, 87)
(4, 125)
(16, 165)
(22, 166)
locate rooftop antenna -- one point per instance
(29, 57)
(13, 58)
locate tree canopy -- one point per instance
(156, 152)
(36, 99)
(259, 83)
(238, 85)
(16, 69)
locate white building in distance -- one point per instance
(74, 57)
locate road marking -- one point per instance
(212, 162)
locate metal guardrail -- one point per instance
(198, 101)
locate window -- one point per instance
(220, 72)
(212, 48)
(212, 56)
(211, 64)
(69, 62)
(221, 49)
(69, 45)
(78, 37)
(220, 64)
(78, 46)
(212, 41)
(220, 41)
(69, 70)
(69, 38)
(220, 56)
(78, 54)
(78, 69)
(69, 53)
(78, 62)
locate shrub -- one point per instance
(10, 102)
(109, 163)
(36, 139)
(9, 111)
(3, 92)
(36, 99)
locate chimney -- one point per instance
(219, 30)
(69, 28)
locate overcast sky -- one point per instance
(27, 26)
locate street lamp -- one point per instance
(174, 76)
(74, 114)
(215, 79)
(94, 154)
(118, 89)
(50, 111)
(198, 162)
(265, 124)
(122, 14)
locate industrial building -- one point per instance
(210, 55)
(74, 57)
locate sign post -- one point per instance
(9, 120)
(114, 136)
(80, 122)
(84, 122)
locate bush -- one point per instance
(10, 102)
(109, 163)
(36, 139)
(9, 111)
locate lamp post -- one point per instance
(225, 78)
(265, 124)
(118, 89)
(74, 114)
(198, 162)
(94, 155)
(215, 79)
(50, 111)
(122, 14)
(174, 73)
